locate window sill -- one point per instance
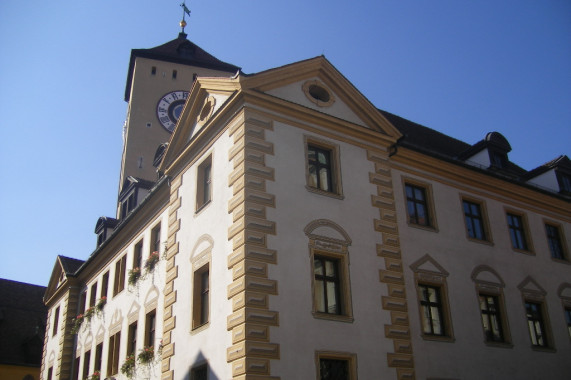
(333, 317)
(499, 344)
(323, 192)
(438, 338)
(524, 251)
(561, 261)
(197, 329)
(480, 241)
(429, 228)
(202, 207)
(543, 349)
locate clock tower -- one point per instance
(158, 83)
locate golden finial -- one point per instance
(185, 11)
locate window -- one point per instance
(86, 360)
(153, 70)
(98, 357)
(555, 242)
(120, 269)
(93, 295)
(138, 255)
(474, 219)
(536, 324)
(82, 302)
(132, 339)
(150, 324)
(334, 366)
(322, 168)
(568, 319)
(75, 374)
(327, 285)
(50, 373)
(491, 318)
(105, 284)
(517, 232)
(130, 203)
(204, 183)
(156, 239)
(199, 373)
(564, 182)
(432, 310)
(56, 321)
(113, 357)
(330, 286)
(174, 74)
(201, 297)
(417, 206)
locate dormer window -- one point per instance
(498, 159)
(564, 180)
(133, 192)
(129, 204)
(104, 228)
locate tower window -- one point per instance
(174, 74)
(153, 70)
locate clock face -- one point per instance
(170, 107)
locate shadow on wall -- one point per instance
(200, 370)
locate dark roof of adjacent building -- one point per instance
(22, 323)
(182, 51)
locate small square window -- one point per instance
(322, 168)
(417, 205)
(518, 232)
(555, 242)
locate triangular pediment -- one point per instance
(427, 264)
(531, 287)
(312, 90)
(63, 269)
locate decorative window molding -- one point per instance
(419, 204)
(322, 167)
(490, 296)
(433, 305)
(207, 110)
(329, 261)
(564, 292)
(535, 308)
(318, 93)
(476, 220)
(335, 365)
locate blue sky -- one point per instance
(461, 67)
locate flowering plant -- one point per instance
(101, 303)
(128, 367)
(152, 261)
(146, 355)
(134, 275)
(77, 321)
(95, 376)
(89, 313)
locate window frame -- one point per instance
(156, 239)
(150, 328)
(113, 352)
(345, 313)
(350, 358)
(120, 273)
(201, 297)
(104, 285)
(334, 167)
(542, 319)
(138, 255)
(98, 357)
(93, 294)
(523, 229)
(204, 188)
(194, 371)
(560, 240)
(436, 280)
(132, 338)
(483, 219)
(428, 204)
(85, 364)
(55, 326)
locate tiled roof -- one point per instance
(559, 162)
(22, 323)
(70, 265)
(182, 51)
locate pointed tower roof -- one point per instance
(179, 50)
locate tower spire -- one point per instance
(185, 11)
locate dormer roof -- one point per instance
(561, 162)
(105, 222)
(64, 269)
(182, 51)
(131, 182)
